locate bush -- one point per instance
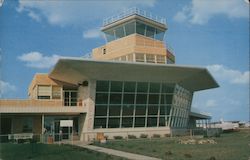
(156, 136)
(167, 135)
(188, 155)
(131, 137)
(118, 137)
(143, 136)
(168, 153)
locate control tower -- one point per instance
(135, 35)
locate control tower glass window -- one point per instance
(130, 28)
(150, 32)
(110, 35)
(140, 28)
(134, 27)
(159, 34)
(119, 32)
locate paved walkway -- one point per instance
(127, 155)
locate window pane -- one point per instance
(150, 58)
(27, 124)
(114, 110)
(129, 86)
(43, 97)
(140, 110)
(102, 86)
(128, 99)
(152, 122)
(140, 28)
(168, 110)
(153, 99)
(115, 98)
(166, 99)
(119, 32)
(100, 122)
(163, 110)
(139, 121)
(142, 87)
(167, 88)
(56, 92)
(101, 98)
(116, 86)
(159, 35)
(114, 123)
(128, 110)
(130, 28)
(44, 90)
(127, 122)
(150, 31)
(162, 121)
(160, 59)
(141, 99)
(110, 36)
(152, 110)
(154, 87)
(139, 57)
(101, 110)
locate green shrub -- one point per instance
(167, 135)
(156, 136)
(143, 136)
(131, 137)
(118, 137)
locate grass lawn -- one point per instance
(230, 146)
(10, 151)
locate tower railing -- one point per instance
(133, 11)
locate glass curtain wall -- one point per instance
(132, 104)
(134, 27)
(181, 107)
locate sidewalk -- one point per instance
(127, 155)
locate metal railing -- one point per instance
(133, 11)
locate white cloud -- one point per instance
(76, 12)
(34, 16)
(1, 3)
(232, 76)
(92, 33)
(38, 60)
(201, 11)
(6, 88)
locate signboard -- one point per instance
(66, 123)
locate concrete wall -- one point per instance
(87, 121)
(134, 43)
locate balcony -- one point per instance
(39, 106)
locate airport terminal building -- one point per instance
(131, 85)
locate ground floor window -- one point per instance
(27, 123)
(121, 104)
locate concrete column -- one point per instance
(87, 94)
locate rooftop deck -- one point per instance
(134, 11)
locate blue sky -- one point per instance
(207, 33)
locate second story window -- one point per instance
(104, 51)
(43, 92)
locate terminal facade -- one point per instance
(131, 85)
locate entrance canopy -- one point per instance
(77, 70)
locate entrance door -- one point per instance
(66, 131)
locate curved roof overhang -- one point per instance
(77, 70)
